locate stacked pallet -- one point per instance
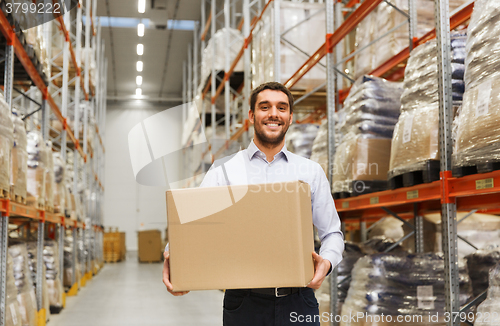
(114, 246)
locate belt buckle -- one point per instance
(276, 293)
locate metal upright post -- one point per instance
(190, 73)
(363, 230)
(39, 264)
(412, 21)
(203, 106)
(227, 66)
(213, 74)
(4, 224)
(419, 232)
(448, 211)
(9, 73)
(247, 79)
(195, 59)
(330, 100)
(277, 41)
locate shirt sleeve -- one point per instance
(326, 220)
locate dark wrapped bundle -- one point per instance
(401, 284)
(479, 264)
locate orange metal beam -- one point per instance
(333, 39)
(207, 26)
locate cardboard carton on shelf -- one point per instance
(243, 236)
(150, 246)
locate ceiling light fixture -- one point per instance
(142, 6)
(138, 80)
(140, 29)
(139, 66)
(140, 49)
(138, 92)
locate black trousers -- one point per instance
(246, 308)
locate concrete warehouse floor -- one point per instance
(132, 294)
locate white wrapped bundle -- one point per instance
(307, 37)
(37, 160)
(478, 132)
(6, 143)
(59, 183)
(13, 315)
(19, 158)
(219, 42)
(49, 177)
(25, 292)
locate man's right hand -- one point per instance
(166, 276)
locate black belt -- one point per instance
(278, 292)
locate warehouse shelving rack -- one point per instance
(64, 101)
(447, 195)
(236, 101)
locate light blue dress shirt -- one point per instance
(250, 166)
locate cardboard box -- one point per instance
(150, 249)
(371, 159)
(246, 236)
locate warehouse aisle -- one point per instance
(132, 294)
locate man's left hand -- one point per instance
(321, 268)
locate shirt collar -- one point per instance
(253, 149)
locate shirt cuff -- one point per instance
(166, 247)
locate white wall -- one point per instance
(128, 205)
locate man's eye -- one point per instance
(264, 108)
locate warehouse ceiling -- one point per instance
(162, 72)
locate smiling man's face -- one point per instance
(271, 117)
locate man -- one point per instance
(266, 160)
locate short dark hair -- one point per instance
(275, 86)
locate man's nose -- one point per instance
(273, 112)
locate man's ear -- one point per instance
(251, 116)
(291, 118)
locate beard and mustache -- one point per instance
(274, 139)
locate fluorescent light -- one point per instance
(138, 80)
(138, 92)
(142, 6)
(140, 49)
(140, 29)
(139, 66)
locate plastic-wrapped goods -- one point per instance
(25, 292)
(320, 147)
(6, 143)
(219, 61)
(32, 260)
(371, 110)
(13, 315)
(59, 183)
(37, 161)
(416, 136)
(479, 264)
(19, 158)
(307, 37)
(478, 132)
(51, 260)
(300, 137)
(68, 260)
(350, 256)
(488, 311)
(400, 284)
(360, 158)
(49, 177)
(380, 21)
